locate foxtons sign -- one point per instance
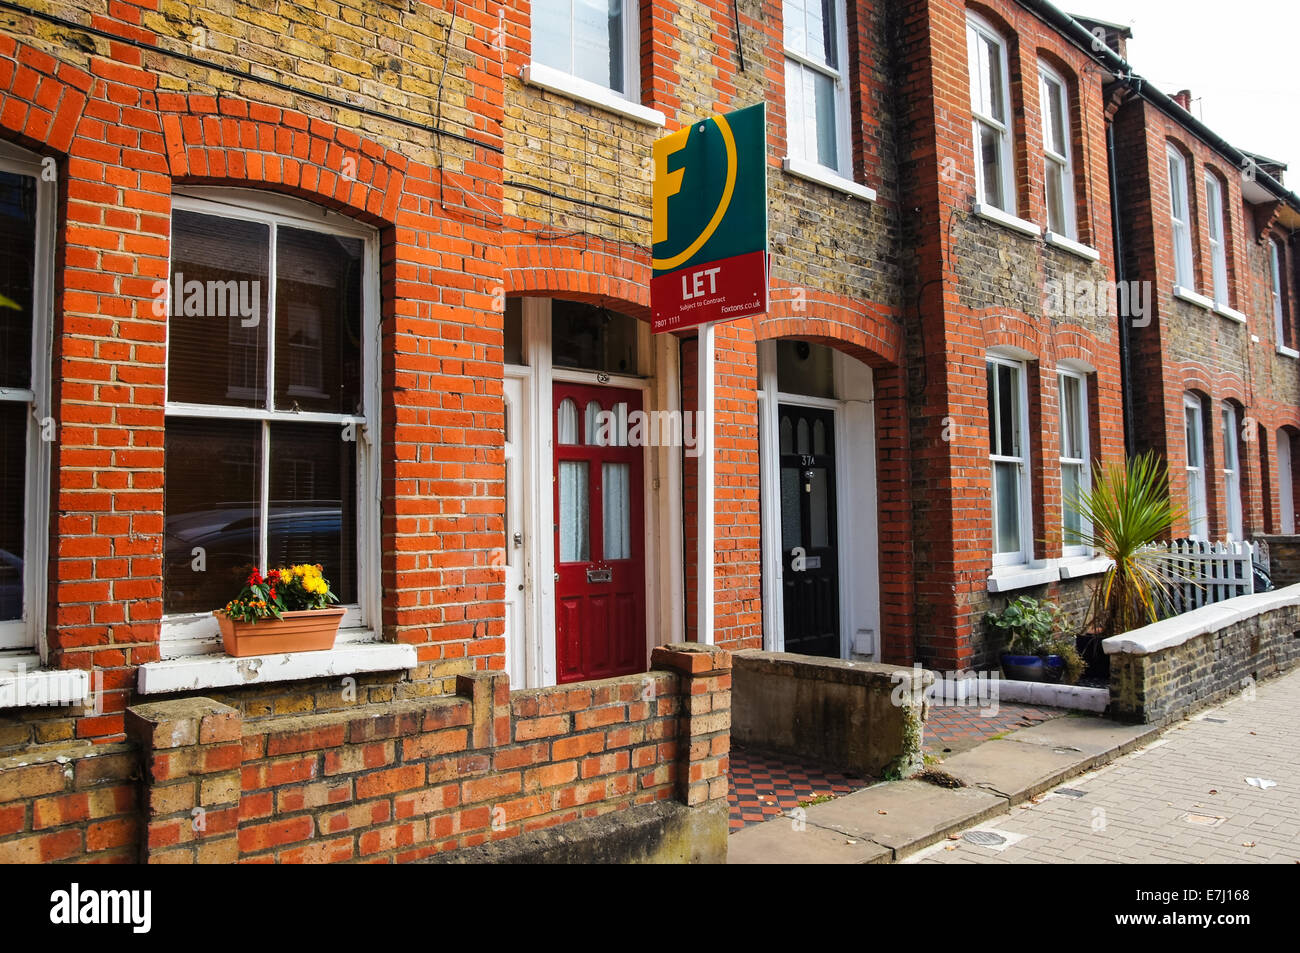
(710, 222)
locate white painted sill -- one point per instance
(1086, 252)
(1287, 352)
(1190, 296)
(994, 214)
(1232, 314)
(197, 672)
(535, 74)
(24, 684)
(827, 177)
(1010, 578)
(1081, 566)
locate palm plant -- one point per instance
(1125, 510)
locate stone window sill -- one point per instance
(994, 214)
(1010, 578)
(1191, 297)
(1232, 314)
(535, 74)
(1069, 244)
(827, 177)
(1083, 566)
(1287, 352)
(219, 670)
(24, 684)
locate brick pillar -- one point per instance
(192, 753)
(704, 738)
(489, 695)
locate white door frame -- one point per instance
(859, 578)
(662, 489)
(518, 572)
(1286, 503)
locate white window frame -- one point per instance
(1198, 519)
(805, 153)
(1022, 460)
(1215, 210)
(1231, 470)
(1180, 226)
(1063, 161)
(1275, 259)
(1082, 461)
(631, 59)
(977, 27)
(25, 634)
(197, 633)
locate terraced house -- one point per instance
(357, 284)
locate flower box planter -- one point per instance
(308, 630)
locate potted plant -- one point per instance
(1038, 650)
(290, 609)
(1126, 509)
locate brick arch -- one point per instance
(41, 100)
(1003, 329)
(1073, 342)
(233, 142)
(594, 271)
(868, 333)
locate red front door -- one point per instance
(599, 534)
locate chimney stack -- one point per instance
(1184, 98)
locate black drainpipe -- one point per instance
(1125, 313)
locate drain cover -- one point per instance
(1205, 820)
(984, 838)
(1069, 792)
(1217, 721)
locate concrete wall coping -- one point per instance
(1168, 633)
(831, 669)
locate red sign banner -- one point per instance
(715, 291)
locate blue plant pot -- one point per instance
(1053, 668)
(1022, 668)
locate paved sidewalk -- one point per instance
(951, 729)
(1182, 799)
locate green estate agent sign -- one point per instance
(710, 221)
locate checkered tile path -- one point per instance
(958, 727)
(765, 786)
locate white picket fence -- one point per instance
(1202, 572)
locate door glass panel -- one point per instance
(216, 331)
(313, 505)
(801, 443)
(17, 274)
(616, 509)
(819, 521)
(790, 489)
(514, 331)
(593, 338)
(13, 469)
(787, 436)
(575, 544)
(592, 436)
(804, 368)
(1006, 503)
(819, 438)
(566, 422)
(212, 511)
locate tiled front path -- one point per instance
(764, 786)
(950, 729)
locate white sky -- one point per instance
(1239, 59)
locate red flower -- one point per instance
(255, 578)
(273, 592)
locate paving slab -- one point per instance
(779, 842)
(1087, 736)
(906, 815)
(1014, 769)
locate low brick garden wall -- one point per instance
(395, 782)
(1163, 671)
(861, 717)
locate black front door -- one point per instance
(810, 586)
